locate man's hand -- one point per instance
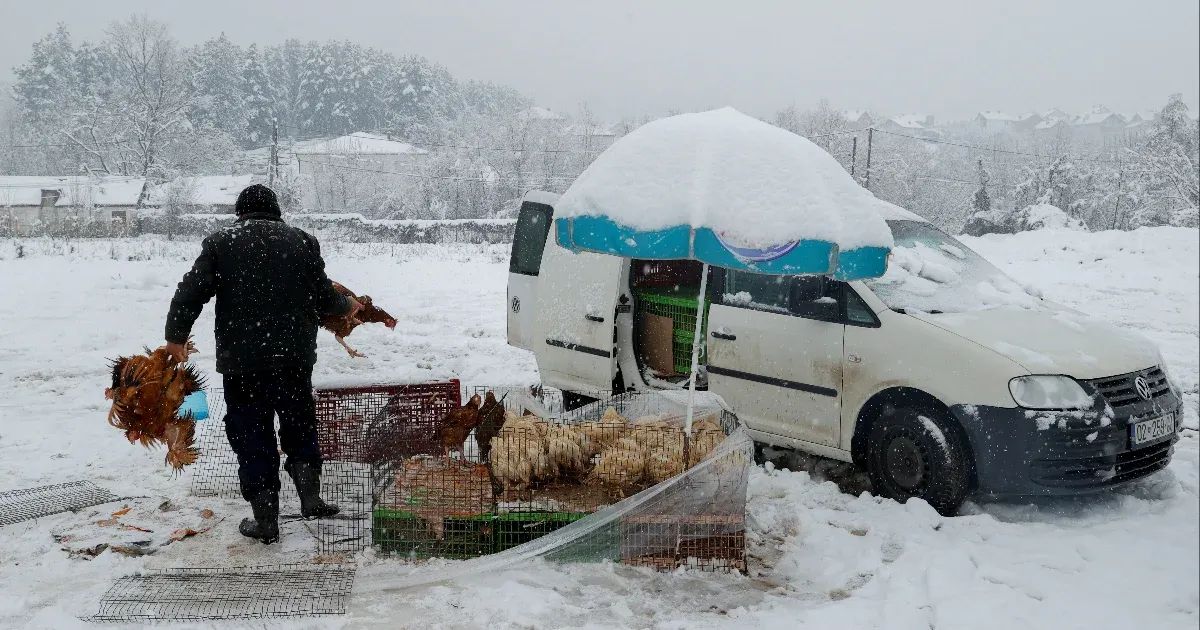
(355, 307)
(178, 351)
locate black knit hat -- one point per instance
(257, 198)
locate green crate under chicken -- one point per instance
(404, 533)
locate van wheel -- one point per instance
(573, 401)
(913, 452)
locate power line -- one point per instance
(442, 177)
(994, 150)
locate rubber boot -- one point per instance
(308, 486)
(265, 524)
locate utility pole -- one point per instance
(1120, 183)
(870, 141)
(274, 165)
(853, 154)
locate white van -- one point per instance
(941, 378)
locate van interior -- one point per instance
(665, 294)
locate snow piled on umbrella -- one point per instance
(754, 184)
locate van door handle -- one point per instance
(594, 318)
(724, 335)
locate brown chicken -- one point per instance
(491, 419)
(457, 425)
(147, 392)
(341, 327)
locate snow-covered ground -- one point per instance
(820, 559)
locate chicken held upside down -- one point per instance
(147, 392)
(342, 326)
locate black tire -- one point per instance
(573, 401)
(913, 452)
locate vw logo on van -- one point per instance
(1143, 387)
(749, 254)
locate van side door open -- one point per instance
(775, 353)
(524, 267)
(573, 321)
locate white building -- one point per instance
(341, 170)
(858, 118)
(920, 125)
(205, 194)
(995, 121)
(31, 203)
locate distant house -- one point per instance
(592, 137)
(374, 149)
(995, 121)
(1099, 121)
(1027, 121)
(858, 118)
(1138, 122)
(541, 116)
(340, 168)
(28, 204)
(206, 194)
(910, 124)
(1054, 114)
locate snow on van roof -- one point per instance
(756, 183)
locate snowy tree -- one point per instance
(150, 86)
(284, 65)
(981, 203)
(259, 100)
(218, 69)
(46, 83)
(1170, 164)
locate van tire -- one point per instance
(573, 401)
(913, 452)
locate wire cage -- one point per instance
(519, 476)
(419, 474)
(344, 416)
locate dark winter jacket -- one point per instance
(271, 289)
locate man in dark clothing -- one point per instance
(271, 289)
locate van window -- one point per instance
(533, 226)
(816, 297)
(857, 311)
(761, 292)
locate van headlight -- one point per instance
(1045, 391)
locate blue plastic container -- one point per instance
(197, 403)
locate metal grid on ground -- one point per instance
(188, 594)
(22, 505)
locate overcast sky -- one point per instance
(949, 58)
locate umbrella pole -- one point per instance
(687, 427)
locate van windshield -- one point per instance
(931, 271)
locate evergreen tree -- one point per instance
(218, 84)
(981, 203)
(259, 103)
(46, 84)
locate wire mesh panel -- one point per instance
(228, 593)
(22, 505)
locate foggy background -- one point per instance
(627, 58)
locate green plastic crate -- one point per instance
(681, 350)
(402, 533)
(680, 306)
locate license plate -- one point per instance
(1152, 430)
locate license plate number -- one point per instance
(1152, 430)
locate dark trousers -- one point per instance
(252, 400)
